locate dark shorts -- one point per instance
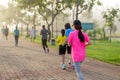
(68, 49)
(62, 49)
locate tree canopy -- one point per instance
(110, 16)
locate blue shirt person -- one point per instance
(3, 31)
(68, 30)
(16, 35)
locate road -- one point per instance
(29, 62)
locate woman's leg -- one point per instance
(78, 70)
(62, 50)
(17, 40)
(43, 44)
(63, 66)
(46, 45)
(70, 57)
(63, 59)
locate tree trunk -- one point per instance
(73, 14)
(49, 33)
(52, 26)
(77, 12)
(27, 31)
(35, 31)
(110, 34)
(104, 33)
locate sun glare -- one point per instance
(4, 2)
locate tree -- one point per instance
(12, 13)
(7, 14)
(81, 5)
(31, 14)
(48, 9)
(110, 15)
(2, 9)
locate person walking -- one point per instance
(62, 48)
(3, 31)
(68, 30)
(32, 34)
(44, 33)
(16, 36)
(78, 41)
(6, 32)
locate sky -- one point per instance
(111, 3)
(4, 2)
(97, 9)
(106, 3)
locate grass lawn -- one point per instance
(105, 51)
(101, 50)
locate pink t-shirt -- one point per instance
(78, 48)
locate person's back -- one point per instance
(68, 31)
(3, 29)
(78, 47)
(16, 35)
(16, 32)
(61, 39)
(44, 33)
(6, 31)
(62, 47)
(32, 31)
(78, 40)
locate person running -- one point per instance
(78, 40)
(44, 33)
(6, 32)
(62, 47)
(3, 31)
(16, 35)
(32, 34)
(68, 29)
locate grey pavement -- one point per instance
(29, 62)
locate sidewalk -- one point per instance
(29, 62)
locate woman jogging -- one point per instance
(78, 40)
(6, 32)
(44, 33)
(62, 48)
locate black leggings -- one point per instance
(16, 39)
(44, 43)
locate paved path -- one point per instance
(29, 62)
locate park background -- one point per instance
(105, 15)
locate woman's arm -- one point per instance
(88, 43)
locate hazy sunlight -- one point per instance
(4, 2)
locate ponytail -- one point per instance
(78, 26)
(62, 32)
(80, 35)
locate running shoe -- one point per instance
(63, 66)
(71, 65)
